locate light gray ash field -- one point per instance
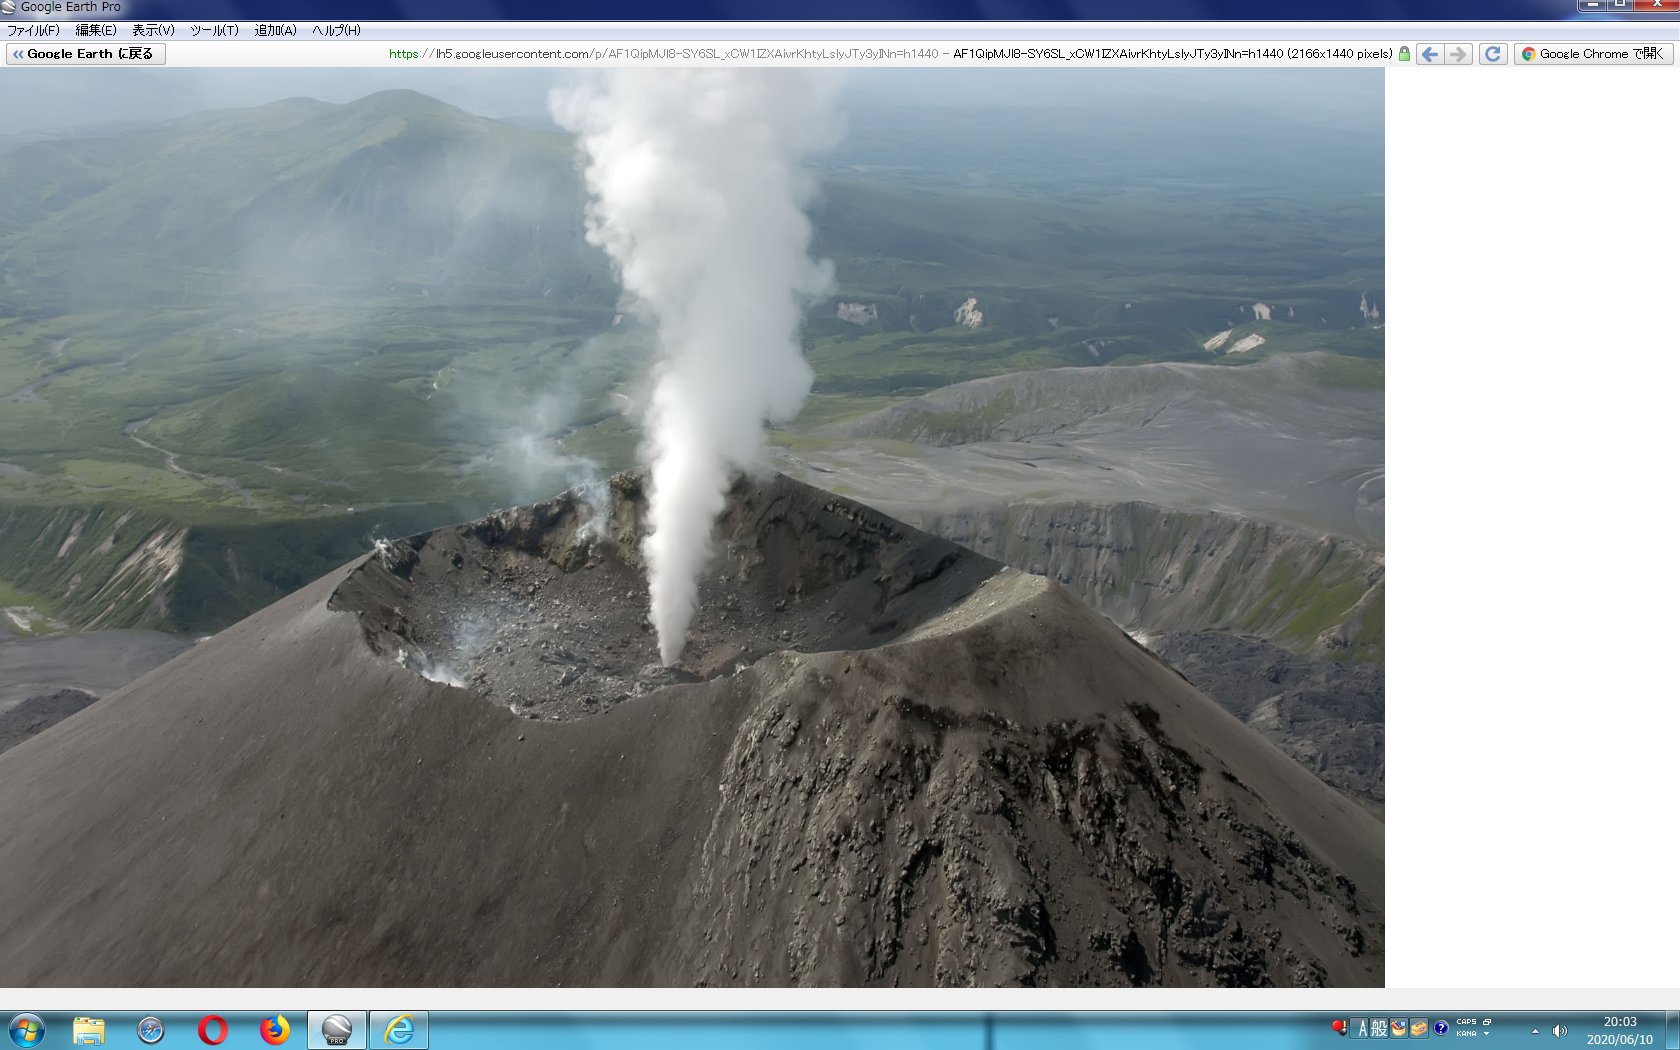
(882, 759)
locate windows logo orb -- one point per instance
(27, 1030)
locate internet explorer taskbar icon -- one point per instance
(399, 1030)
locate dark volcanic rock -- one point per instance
(1329, 716)
(943, 772)
(545, 608)
(35, 713)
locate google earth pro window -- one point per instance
(668, 522)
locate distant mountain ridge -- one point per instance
(398, 191)
(393, 187)
(100, 566)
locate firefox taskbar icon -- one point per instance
(496, 1030)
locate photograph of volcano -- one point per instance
(665, 527)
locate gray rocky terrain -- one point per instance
(1329, 715)
(1294, 439)
(24, 718)
(46, 679)
(1155, 570)
(1236, 509)
(1283, 627)
(888, 761)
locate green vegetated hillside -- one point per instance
(1087, 134)
(1158, 570)
(1140, 277)
(398, 197)
(1335, 393)
(278, 320)
(407, 409)
(296, 195)
(325, 306)
(102, 566)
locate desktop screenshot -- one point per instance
(838, 516)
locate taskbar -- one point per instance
(1182, 1030)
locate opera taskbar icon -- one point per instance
(338, 1030)
(213, 1029)
(399, 1030)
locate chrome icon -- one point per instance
(27, 1030)
(275, 1030)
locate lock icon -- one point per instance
(1405, 53)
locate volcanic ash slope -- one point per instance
(883, 760)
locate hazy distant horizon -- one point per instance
(66, 100)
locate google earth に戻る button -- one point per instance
(83, 54)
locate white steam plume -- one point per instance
(697, 192)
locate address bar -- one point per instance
(918, 53)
